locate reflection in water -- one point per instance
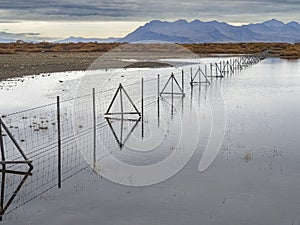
(122, 137)
(20, 185)
(254, 180)
(125, 113)
(6, 200)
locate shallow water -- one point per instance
(254, 179)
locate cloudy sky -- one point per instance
(106, 18)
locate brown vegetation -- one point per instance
(55, 47)
(283, 50)
(291, 52)
(19, 59)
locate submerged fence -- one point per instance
(40, 146)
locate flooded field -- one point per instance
(252, 115)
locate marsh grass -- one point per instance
(283, 50)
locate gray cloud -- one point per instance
(142, 10)
(8, 35)
(24, 36)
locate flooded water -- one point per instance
(253, 180)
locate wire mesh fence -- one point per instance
(52, 136)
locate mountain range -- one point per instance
(197, 31)
(182, 31)
(86, 40)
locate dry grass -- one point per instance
(291, 52)
(283, 50)
(54, 47)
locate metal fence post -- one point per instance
(1, 143)
(182, 80)
(94, 128)
(122, 114)
(158, 86)
(199, 78)
(221, 70)
(59, 142)
(158, 97)
(191, 76)
(172, 91)
(142, 105)
(3, 173)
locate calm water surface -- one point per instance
(253, 181)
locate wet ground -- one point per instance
(253, 180)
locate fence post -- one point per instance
(182, 80)
(3, 174)
(122, 114)
(1, 144)
(191, 76)
(59, 142)
(221, 72)
(199, 76)
(94, 129)
(172, 90)
(172, 85)
(158, 98)
(158, 86)
(2, 194)
(142, 105)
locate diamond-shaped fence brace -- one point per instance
(36, 130)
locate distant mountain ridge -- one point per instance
(197, 31)
(86, 40)
(6, 40)
(182, 31)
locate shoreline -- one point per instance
(24, 63)
(28, 63)
(34, 63)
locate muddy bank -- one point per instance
(129, 56)
(21, 59)
(21, 64)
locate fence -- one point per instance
(40, 146)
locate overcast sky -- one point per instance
(61, 18)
